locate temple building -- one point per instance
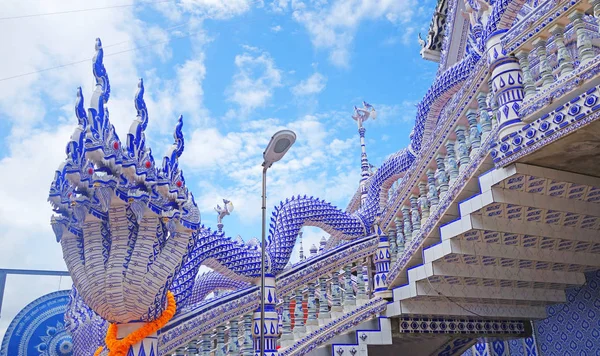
(481, 237)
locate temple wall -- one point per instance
(572, 328)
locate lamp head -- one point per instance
(278, 146)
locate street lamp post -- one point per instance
(278, 146)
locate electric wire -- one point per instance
(112, 45)
(85, 10)
(105, 55)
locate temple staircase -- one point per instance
(514, 248)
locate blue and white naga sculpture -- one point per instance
(130, 229)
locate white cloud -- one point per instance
(216, 9)
(333, 27)
(310, 86)
(254, 82)
(276, 28)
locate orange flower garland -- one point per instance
(120, 347)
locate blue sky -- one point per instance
(238, 71)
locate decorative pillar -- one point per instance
(584, 45)
(474, 134)
(484, 118)
(312, 306)
(271, 329)
(441, 176)
(299, 328)
(361, 294)
(220, 349)
(233, 337)
(423, 202)
(286, 334)
(206, 346)
(336, 303)
(382, 265)
(544, 65)
(248, 343)
(565, 62)
(323, 304)
(529, 86)
(407, 222)
(399, 235)
(507, 84)
(451, 165)
(462, 149)
(349, 298)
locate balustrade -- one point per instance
(563, 58)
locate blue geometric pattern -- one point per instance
(39, 329)
(572, 328)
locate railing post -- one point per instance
(399, 237)
(271, 330)
(323, 303)
(423, 201)
(451, 165)
(382, 265)
(206, 347)
(529, 86)
(406, 216)
(584, 45)
(484, 118)
(248, 348)
(349, 299)
(415, 216)
(462, 149)
(220, 341)
(286, 334)
(361, 294)
(192, 349)
(441, 176)
(474, 133)
(234, 337)
(299, 328)
(311, 320)
(507, 84)
(541, 49)
(565, 62)
(336, 303)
